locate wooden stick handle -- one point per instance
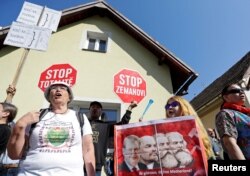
(18, 72)
(9, 98)
(19, 68)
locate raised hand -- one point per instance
(29, 118)
(11, 90)
(132, 105)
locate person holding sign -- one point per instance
(177, 106)
(11, 90)
(57, 145)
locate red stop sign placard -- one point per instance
(59, 72)
(129, 86)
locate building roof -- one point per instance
(181, 74)
(234, 75)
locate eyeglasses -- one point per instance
(234, 91)
(58, 87)
(173, 104)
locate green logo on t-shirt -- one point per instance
(57, 136)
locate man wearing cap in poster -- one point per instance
(56, 146)
(104, 131)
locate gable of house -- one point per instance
(181, 74)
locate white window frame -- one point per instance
(84, 102)
(97, 36)
(78, 103)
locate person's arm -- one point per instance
(227, 130)
(16, 144)
(233, 150)
(11, 90)
(126, 117)
(88, 154)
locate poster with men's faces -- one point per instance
(159, 147)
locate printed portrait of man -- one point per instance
(163, 144)
(130, 150)
(148, 151)
(166, 156)
(178, 146)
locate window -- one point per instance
(111, 113)
(111, 110)
(95, 41)
(91, 44)
(108, 115)
(102, 45)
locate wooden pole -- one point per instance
(21, 63)
(18, 72)
(20, 66)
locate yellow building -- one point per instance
(208, 102)
(98, 42)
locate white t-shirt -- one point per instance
(56, 146)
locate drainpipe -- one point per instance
(183, 89)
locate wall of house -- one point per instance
(209, 119)
(95, 70)
(209, 111)
(247, 92)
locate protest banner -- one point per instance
(129, 85)
(50, 19)
(166, 147)
(58, 72)
(28, 35)
(32, 14)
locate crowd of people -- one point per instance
(36, 138)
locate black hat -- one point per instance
(95, 103)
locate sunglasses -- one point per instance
(234, 91)
(173, 104)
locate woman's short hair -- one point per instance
(12, 109)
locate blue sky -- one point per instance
(208, 35)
